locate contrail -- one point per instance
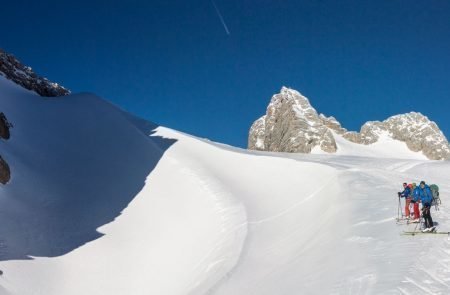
(221, 17)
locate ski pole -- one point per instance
(420, 219)
(419, 223)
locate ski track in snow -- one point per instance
(291, 208)
(233, 218)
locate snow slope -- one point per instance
(101, 202)
(385, 147)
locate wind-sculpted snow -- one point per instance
(68, 158)
(107, 203)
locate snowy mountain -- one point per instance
(415, 129)
(101, 202)
(292, 125)
(13, 70)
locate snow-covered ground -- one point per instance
(101, 202)
(385, 147)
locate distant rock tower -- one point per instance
(292, 125)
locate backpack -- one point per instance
(412, 187)
(435, 192)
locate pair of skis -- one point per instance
(406, 221)
(414, 233)
(431, 230)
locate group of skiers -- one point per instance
(418, 194)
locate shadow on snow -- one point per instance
(74, 169)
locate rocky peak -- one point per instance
(332, 123)
(415, 129)
(291, 124)
(15, 71)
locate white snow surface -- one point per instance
(385, 147)
(101, 202)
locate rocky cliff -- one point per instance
(13, 70)
(291, 124)
(415, 129)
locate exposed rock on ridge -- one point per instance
(415, 129)
(333, 124)
(291, 124)
(5, 173)
(257, 136)
(13, 70)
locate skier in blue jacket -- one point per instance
(426, 197)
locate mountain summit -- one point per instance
(292, 125)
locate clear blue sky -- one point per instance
(172, 62)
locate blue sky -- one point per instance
(173, 62)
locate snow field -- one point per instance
(101, 202)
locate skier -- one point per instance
(415, 201)
(426, 198)
(406, 193)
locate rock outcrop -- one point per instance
(333, 124)
(13, 70)
(24, 76)
(5, 173)
(415, 129)
(4, 126)
(291, 124)
(257, 135)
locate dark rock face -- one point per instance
(13, 70)
(5, 173)
(4, 127)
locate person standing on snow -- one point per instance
(415, 201)
(406, 193)
(426, 197)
